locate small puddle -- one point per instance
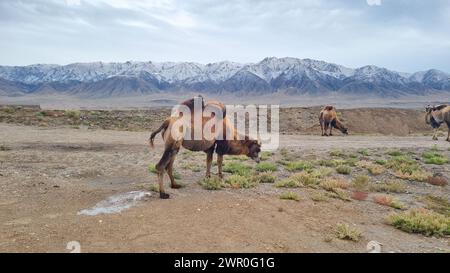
(116, 203)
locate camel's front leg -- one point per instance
(160, 168)
(219, 165)
(331, 128)
(321, 128)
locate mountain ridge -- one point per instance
(292, 75)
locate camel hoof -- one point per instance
(164, 195)
(175, 186)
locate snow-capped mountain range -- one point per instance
(290, 75)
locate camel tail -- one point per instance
(163, 126)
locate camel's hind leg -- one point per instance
(160, 168)
(209, 158)
(169, 169)
(325, 128)
(448, 133)
(331, 128)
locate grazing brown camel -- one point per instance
(235, 144)
(328, 119)
(435, 116)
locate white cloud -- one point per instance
(73, 2)
(374, 2)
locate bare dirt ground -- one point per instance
(49, 174)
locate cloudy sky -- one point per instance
(406, 35)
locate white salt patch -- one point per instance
(116, 203)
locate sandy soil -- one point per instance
(49, 174)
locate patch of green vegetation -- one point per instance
(339, 194)
(73, 114)
(237, 168)
(42, 114)
(364, 152)
(421, 221)
(322, 172)
(298, 166)
(237, 158)
(152, 168)
(265, 155)
(361, 182)
(407, 168)
(290, 196)
(437, 204)
(394, 153)
(266, 167)
(434, 157)
(394, 186)
(337, 153)
(212, 183)
(342, 169)
(287, 183)
(345, 232)
(306, 179)
(265, 177)
(237, 181)
(381, 162)
(332, 184)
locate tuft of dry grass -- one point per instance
(345, 232)
(437, 180)
(359, 195)
(298, 166)
(265, 177)
(437, 204)
(394, 186)
(421, 221)
(212, 183)
(332, 184)
(237, 181)
(342, 169)
(389, 201)
(290, 196)
(360, 182)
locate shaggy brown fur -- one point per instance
(235, 145)
(435, 116)
(328, 119)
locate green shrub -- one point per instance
(342, 169)
(361, 182)
(435, 158)
(211, 183)
(421, 221)
(237, 168)
(345, 232)
(266, 167)
(290, 196)
(237, 181)
(298, 166)
(394, 186)
(265, 177)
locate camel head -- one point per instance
(254, 148)
(344, 130)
